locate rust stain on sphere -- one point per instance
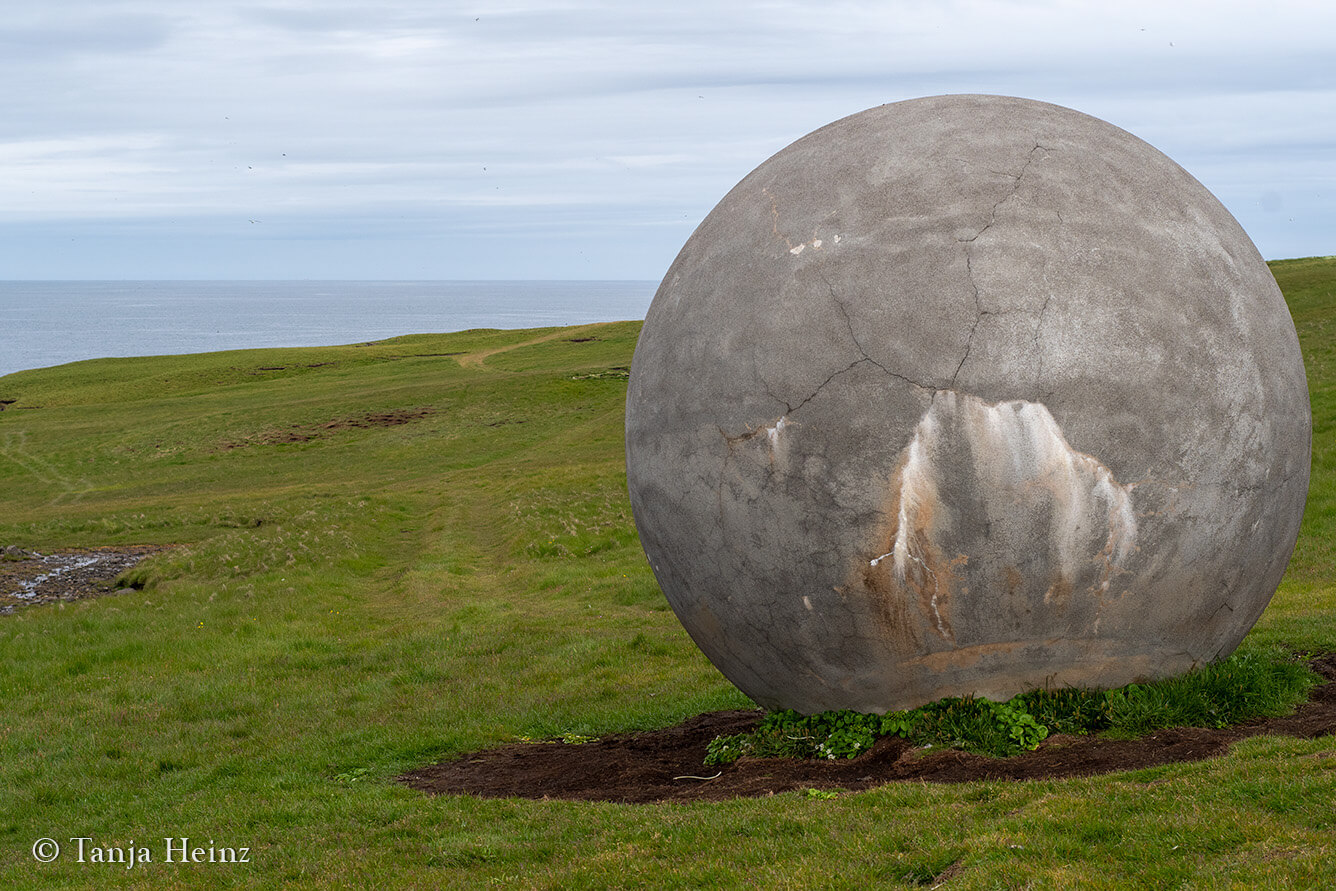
(967, 394)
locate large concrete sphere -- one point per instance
(966, 394)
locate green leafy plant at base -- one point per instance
(977, 725)
(1244, 686)
(974, 724)
(1067, 709)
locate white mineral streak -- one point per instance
(1020, 447)
(772, 432)
(1018, 460)
(918, 488)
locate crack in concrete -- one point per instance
(1039, 353)
(824, 383)
(978, 308)
(969, 257)
(864, 356)
(1015, 187)
(849, 326)
(769, 391)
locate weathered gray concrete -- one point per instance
(967, 394)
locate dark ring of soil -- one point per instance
(668, 765)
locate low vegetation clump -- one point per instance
(1244, 686)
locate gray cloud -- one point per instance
(334, 122)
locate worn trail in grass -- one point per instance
(400, 551)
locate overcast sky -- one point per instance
(424, 139)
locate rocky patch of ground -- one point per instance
(32, 577)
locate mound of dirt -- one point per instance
(668, 765)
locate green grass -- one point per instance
(347, 602)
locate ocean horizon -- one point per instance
(45, 323)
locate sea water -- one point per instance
(52, 322)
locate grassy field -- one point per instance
(392, 553)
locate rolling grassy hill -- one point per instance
(388, 554)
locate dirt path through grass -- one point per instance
(478, 357)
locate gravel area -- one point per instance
(29, 577)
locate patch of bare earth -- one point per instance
(306, 433)
(668, 765)
(31, 577)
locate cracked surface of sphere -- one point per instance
(966, 394)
